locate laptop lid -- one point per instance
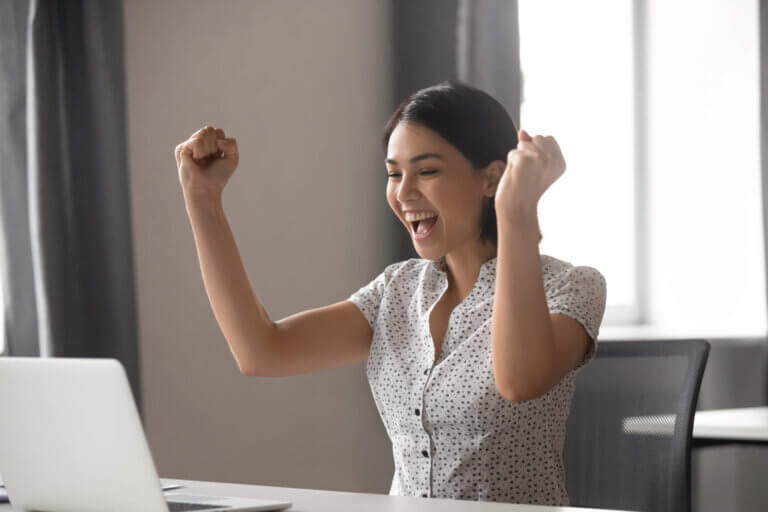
(71, 439)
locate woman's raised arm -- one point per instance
(312, 340)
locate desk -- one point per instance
(747, 425)
(307, 500)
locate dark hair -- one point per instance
(471, 120)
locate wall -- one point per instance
(304, 88)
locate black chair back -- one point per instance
(629, 431)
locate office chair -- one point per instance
(628, 435)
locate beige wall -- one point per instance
(304, 86)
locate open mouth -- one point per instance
(423, 226)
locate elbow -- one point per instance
(248, 371)
(248, 367)
(251, 362)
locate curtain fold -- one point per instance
(473, 41)
(66, 231)
(488, 50)
(20, 312)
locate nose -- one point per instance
(406, 189)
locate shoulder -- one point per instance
(559, 273)
(576, 291)
(406, 271)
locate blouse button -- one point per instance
(424, 453)
(423, 495)
(426, 372)
(417, 412)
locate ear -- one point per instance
(492, 175)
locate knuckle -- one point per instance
(526, 157)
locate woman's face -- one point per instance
(428, 174)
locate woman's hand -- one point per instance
(532, 167)
(206, 161)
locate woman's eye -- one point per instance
(425, 172)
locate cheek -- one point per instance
(453, 201)
(458, 208)
(391, 195)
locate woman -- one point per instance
(472, 348)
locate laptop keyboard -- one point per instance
(175, 506)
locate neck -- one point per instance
(464, 267)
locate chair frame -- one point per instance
(697, 352)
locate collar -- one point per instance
(486, 278)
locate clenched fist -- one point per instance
(532, 167)
(206, 161)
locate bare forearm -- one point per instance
(241, 317)
(522, 337)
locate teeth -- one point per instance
(412, 217)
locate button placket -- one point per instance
(425, 452)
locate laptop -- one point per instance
(71, 440)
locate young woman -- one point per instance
(472, 348)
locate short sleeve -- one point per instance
(581, 294)
(368, 298)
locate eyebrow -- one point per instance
(417, 158)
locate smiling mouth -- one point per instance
(415, 224)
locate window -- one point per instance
(661, 138)
(576, 60)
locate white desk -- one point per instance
(748, 424)
(307, 500)
(720, 426)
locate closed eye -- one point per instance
(396, 174)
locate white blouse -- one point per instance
(453, 434)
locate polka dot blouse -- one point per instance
(453, 434)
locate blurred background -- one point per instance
(655, 104)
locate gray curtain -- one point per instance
(488, 50)
(473, 41)
(67, 256)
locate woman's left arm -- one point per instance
(532, 350)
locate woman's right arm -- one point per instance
(325, 337)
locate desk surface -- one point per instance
(749, 424)
(307, 500)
